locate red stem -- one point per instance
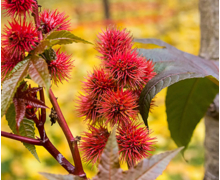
(35, 14)
(21, 138)
(71, 140)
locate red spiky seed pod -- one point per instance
(118, 107)
(18, 8)
(8, 62)
(54, 19)
(149, 70)
(61, 67)
(19, 38)
(87, 106)
(93, 143)
(134, 143)
(113, 40)
(98, 82)
(128, 69)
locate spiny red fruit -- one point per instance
(8, 62)
(118, 107)
(93, 143)
(54, 19)
(134, 143)
(149, 71)
(128, 69)
(88, 108)
(61, 67)
(19, 37)
(113, 40)
(98, 82)
(18, 7)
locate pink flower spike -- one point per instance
(19, 37)
(93, 143)
(54, 19)
(61, 67)
(134, 143)
(18, 7)
(113, 40)
(118, 107)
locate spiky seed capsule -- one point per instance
(19, 37)
(54, 19)
(98, 82)
(113, 40)
(93, 143)
(134, 143)
(18, 7)
(61, 67)
(118, 107)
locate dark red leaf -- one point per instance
(20, 108)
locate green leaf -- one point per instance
(150, 168)
(60, 177)
(64, 37)
(26, 129)
(41, 47)
(186, 103)
(38, 71)
(11, 83)
(171, 65)
(156, 84)
(109, 167)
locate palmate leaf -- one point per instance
(26, 129)
(151, 168)
(186, 103)
(57, 37)
(148, 169)
(60, 176)
(23, 98)
(64, 37)
(109, 167)
(11, 83)
(172, 65)
(38, 71)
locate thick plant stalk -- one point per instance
(71, 140)
(209, 13)
(62, 122)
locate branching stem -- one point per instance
(71, 140)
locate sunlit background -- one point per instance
(173, 21)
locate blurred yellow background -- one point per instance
(173, 21)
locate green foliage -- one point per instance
(11, 83)
(172, 65)
(38, 71)
(26, 129)
(64, 37)
(186, 103)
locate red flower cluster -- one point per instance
(111, 96)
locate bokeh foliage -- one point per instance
(173, 21)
